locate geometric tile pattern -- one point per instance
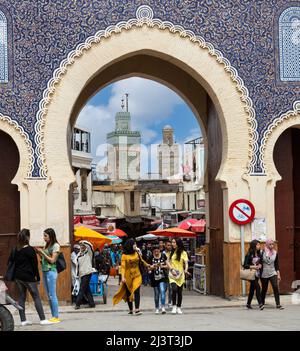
(42, 33)
(3, 49)
(289, 44)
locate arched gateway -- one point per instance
(148, 47)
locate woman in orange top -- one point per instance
(131, 277)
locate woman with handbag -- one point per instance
(26, 276)
(270, 272)
(253, 261)
(49, 257)
(131, 277)
(178, 265)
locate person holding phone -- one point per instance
(49, 255)
(159, 278)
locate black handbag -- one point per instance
(61, 264)
(10, 272)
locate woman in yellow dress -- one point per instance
(178, 264)
(131, 277)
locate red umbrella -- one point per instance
(174, 232)
(187, 223)
(199, 226)
(119, 232)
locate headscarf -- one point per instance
(269, 252)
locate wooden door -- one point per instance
(296, 186)
(284, 209)
(216, 216)
(9, 198)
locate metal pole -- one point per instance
(243, 256)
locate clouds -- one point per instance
(150, 103)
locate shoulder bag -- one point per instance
(247, 274)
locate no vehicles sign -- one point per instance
(242, 212)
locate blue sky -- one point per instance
(152, 106)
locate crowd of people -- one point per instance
(163, 265)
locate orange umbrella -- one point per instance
(174, 232)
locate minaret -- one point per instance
(168, 155)
(124, 146)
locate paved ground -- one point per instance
(200, 313)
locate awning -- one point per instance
(199, 226)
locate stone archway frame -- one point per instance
(289, 119)
(24, 145)
(144, 18)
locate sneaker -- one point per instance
(170, 305)
(138, 313)
(76, 307)
(26, 323)
(261, 307)
(249, 307)
(157, 311)
(163, 311)
(179, 311)
(46, 322)
(55, 320)
(130, 312)
(174, 310)
(279, 307)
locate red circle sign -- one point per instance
(242, 212)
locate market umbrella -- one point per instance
(187, 223)
(120, 233)
(199, 226)
(89, 226)
(146, 237)
(96, 239)
(174, 232)
(114, 239)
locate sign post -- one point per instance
(242, 212)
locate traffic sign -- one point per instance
(242, 212)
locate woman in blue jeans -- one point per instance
(159, 278)
(49, 256)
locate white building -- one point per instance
(82, 167)
(193, 174)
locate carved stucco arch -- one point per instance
(24, 146)
(213, 71)
(290, 119)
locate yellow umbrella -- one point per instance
(96, 239)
